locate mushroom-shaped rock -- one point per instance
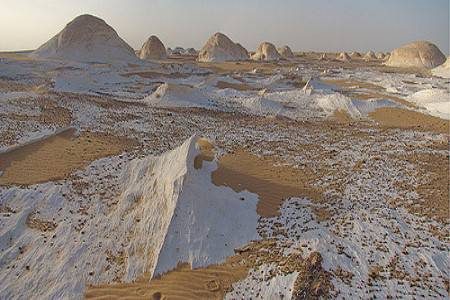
(87, 39)
(220, 48)
(286, 52)
(419, 54)
(153, 48)
(266, 52)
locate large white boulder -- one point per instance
(220, 48)
(266, 52)
(286, 52)
(87, 39)
(153, 48)
(419, 54)
(435, 101)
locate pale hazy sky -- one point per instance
(303, 24)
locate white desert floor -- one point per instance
(380, 224)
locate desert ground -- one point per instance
(304, 178)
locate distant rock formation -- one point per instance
(286, 52)
(178, 51)
(380, 55)
(191, 51)
(266, 52)
(344, 57)
(220, 48)
(370, 55)
(153, 48)
(419, 54)
(323, 57)
(355, 54)
(87, 39)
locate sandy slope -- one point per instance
(57, 156)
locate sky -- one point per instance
(305, 25)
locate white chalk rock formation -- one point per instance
(344, 57)
(323, 57)
(435, 101)
(190, 51)
(220, 48)
(286, 52)
(153, 48)
(266, 52)
(87, 39)
(260, 105)
(178, 51)
(443, 70)
(355, 54)
(168, 211)
(199, 230)
(178, 95)
(380, 55)
(370, 55)
(419, 54)
(316, 85)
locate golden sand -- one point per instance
(57, 156)
(245, 66)
(241, 170)
(260, 175)
(235, 86)
(408, 119)
(20, 56)
(155, 75)
(433, 188)
(214, 281)
(211, 282)
(352, 84)
(206, 153)
(342, 117)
